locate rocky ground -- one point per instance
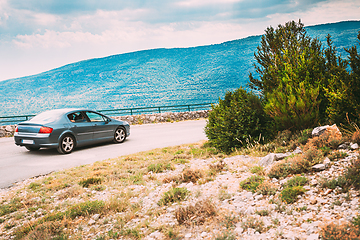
(232, 213)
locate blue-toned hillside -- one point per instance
(149, 78)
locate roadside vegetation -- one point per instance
(298, 84)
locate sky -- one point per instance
(39, 35)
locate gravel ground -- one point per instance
(235, 208)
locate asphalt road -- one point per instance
(17, 163)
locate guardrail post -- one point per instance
(131, 113)
(189, 108)
(159, 110)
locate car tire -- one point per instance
(66, 144)
(32, 148)
(119, 135)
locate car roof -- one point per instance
(68, 110)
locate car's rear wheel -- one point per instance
(66, 145)
(32, 148)
(119, 135)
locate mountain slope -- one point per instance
(151, 77)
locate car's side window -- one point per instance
(77, 117)
(94, 117)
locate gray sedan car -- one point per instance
(65, 129)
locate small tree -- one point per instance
(294, 103)
(236, 119)
(343, 90)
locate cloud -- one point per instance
(76, 30)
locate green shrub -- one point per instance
(336, 155)
(235, 119)
(173, 195)
(333, 183)
(303, 136)
(296, 181)
(252, 183)
(290, 194)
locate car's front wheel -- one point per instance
(66, 145)
(119, 135)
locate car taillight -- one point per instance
(45, 130)
(17, 129)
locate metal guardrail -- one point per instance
(14, 119)
(123, 111)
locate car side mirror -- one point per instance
(107, 121)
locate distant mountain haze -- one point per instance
(153, 77)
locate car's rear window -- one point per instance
(48, 116)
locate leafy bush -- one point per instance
(235, 119)
(290, 194)
(296, 181)
(335, 155)
(333, 183)
(252, 183)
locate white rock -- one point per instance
(268, 160)
(318, 167)
(326, 162)
(313, 237)
(156, 235)
(354, 146)
(319, 130)
(239, 230)
(297, 150)
(250, 210)
(8, 128)
(91, 222)
(188, 235)
(203, 234)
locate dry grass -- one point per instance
(344, 232)
(196, 214)
(65, 198)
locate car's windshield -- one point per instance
(48, 116)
